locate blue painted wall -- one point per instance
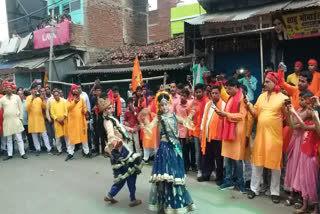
(76, 16)
(230, 62)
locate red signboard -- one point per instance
(61, 35)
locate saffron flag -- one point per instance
(45, 79)
(136, 75)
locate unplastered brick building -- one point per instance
(102, 25)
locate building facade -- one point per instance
(253, 34)
(96, 28)
(182, 13)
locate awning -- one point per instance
(3, 46)
(13, 45)
(247, 13)
(31, 63)
(61, 57)
(6, 66)
(163, 67)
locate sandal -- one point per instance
(251, 195)
(275, 199)
(135, 203)
(299, 211)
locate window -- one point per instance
(66, 8)
(57, 10)
(75, 5)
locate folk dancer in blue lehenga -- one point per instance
(126, 165)
(168, 190)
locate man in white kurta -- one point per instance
(12, 120)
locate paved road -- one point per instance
(49, 185)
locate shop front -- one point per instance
(254, 37)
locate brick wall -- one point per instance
(159, 20)
(77, 36)
(104, 24)
(136, 15)
(109, 24)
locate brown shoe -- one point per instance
(135, 203)
(111, 200)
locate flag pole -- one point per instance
(147, 86)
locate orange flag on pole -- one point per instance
(136, 75)
(45, 79)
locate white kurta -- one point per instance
(12, 115)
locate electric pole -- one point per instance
(51, 42)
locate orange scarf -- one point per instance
(119, 110)
(214, 124)
(228, 130)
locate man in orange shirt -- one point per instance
(233, 135)
(210, 143)
(305, 79)
(198, 103)
(315, 84)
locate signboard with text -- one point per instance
(229, 27)
(61, 35)
(302, 24)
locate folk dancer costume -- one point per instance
(126, 165)
(267, 148)
(168, 190)
(12, 121)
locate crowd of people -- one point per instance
(283, 151)
(205, 126)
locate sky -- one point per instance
(3, 21)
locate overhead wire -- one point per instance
(36, 11)
(76, 12)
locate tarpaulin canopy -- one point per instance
(31, 63)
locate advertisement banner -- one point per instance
(61, 35)
(299, 25)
